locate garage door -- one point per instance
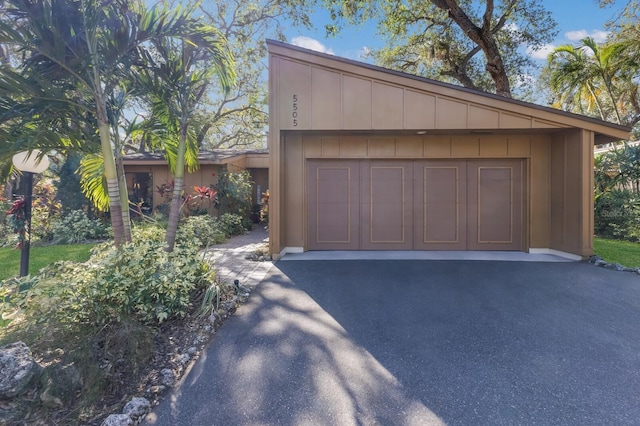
(415, 205)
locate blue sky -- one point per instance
(576, 19)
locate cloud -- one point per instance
(312, 44)
(541, 53)
(598, 35)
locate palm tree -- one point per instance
(77, 52)
(176, 82)
(591, 79)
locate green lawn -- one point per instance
(40, 257)
(614, 251)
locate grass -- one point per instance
(615, 251)
(40, 257)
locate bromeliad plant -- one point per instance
(17, 220)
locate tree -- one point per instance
(239, 118)
(177, 77)
(76, 54)
(455, 40)
(595, 79)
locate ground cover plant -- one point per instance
(103, 327)
(615, 251)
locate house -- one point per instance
(365, 158)
(146, 172)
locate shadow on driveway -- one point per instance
(415, 342)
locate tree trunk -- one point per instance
(124, 193)
(176, 201)
(484, 38)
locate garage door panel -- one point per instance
(415, 204)
(496, 211)
(440, 198)
(387, 188)
(334, 195)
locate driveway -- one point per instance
(417, 342)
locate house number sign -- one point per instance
(294, 110)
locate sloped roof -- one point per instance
(213, 156)
(473, 108)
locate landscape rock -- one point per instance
(60, 384)
(118, 420)
(137, 407)
(17, 368)
(168, 378)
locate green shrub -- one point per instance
(137, 280)
(617, 215)
(232, 224)
(205, 229)
(76, 227)
(234, 193)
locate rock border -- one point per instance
(598, 261)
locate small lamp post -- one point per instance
(28, 163)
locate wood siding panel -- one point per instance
(356, 103)
(437, 147)
(483, 118)
(519, 146)
(539, 235)
(409, 147)
(465, 147)
(388, 106)
(510, 121)
(494, 147)
(382, 147)
(326, 90)
(312, 146)
(353, 147)
(294, 193)
(294, 96)
(331, 146)
(451, 114)
(419, 110)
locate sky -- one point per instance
(576, 19)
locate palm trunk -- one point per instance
(124, 193)
(110, 172)
(113, 188)
(176, 201)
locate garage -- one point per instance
(415, 205)
(365, 158)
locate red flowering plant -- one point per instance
(202, 193)
(17, 220)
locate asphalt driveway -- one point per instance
(422, 342)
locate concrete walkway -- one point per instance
(230, 261)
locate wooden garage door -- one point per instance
(415, 205)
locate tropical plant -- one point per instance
(597, 80)
(76, 55)
(176, 79)
(234, 193)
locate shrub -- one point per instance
(234, 193)
(617, 215)
(138, 280)
(232, 224)
(205, 229)
(76, 227)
